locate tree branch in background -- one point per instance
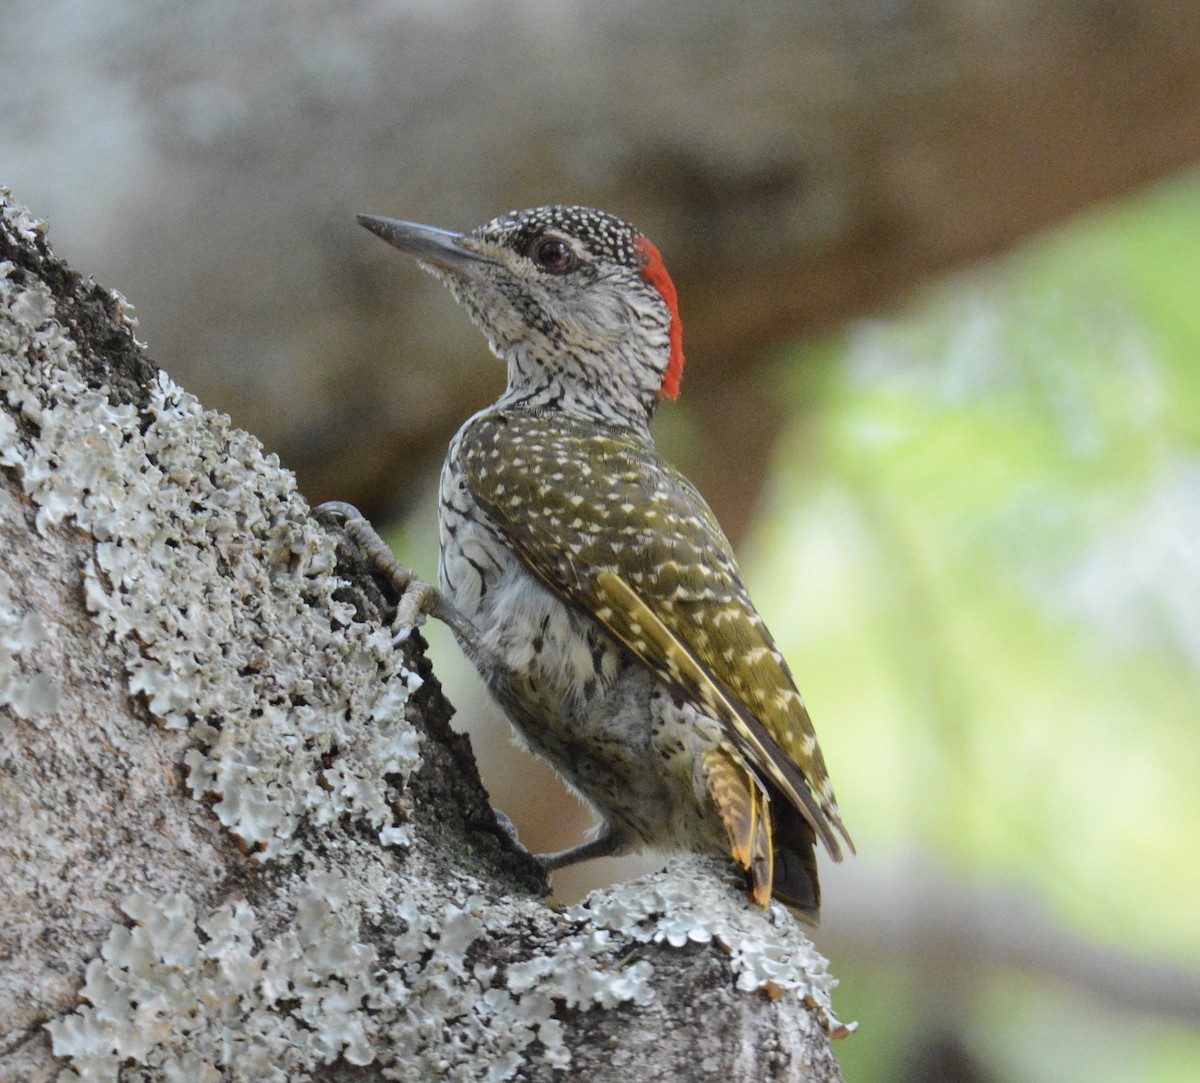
(798, 164)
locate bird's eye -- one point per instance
(554, 255)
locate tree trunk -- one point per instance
(240, 840)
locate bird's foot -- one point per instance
(417, 599)
(611, 842)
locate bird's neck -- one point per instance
(585, 388)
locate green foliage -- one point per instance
(981, 552)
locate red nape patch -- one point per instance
(654, 272)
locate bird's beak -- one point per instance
(437, 247)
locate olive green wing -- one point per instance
(608, 526)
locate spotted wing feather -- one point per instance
(614, 530)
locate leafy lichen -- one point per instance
(209, 573)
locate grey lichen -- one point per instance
(216, 997)
(188, 998)
(217, 594)
(694, 900)
(27, 690)
(210, 574)
(184, 997)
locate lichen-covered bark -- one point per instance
(239, 840)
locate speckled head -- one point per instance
(576, 301)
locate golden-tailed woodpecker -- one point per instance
(587, 579)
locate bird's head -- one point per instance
(576, 301)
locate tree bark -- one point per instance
(239, 839)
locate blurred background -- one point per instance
(939, 268)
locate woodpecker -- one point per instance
(587, 579)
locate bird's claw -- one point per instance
(417, 598)
(411, 610)
(338, 511)
(415, 595)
